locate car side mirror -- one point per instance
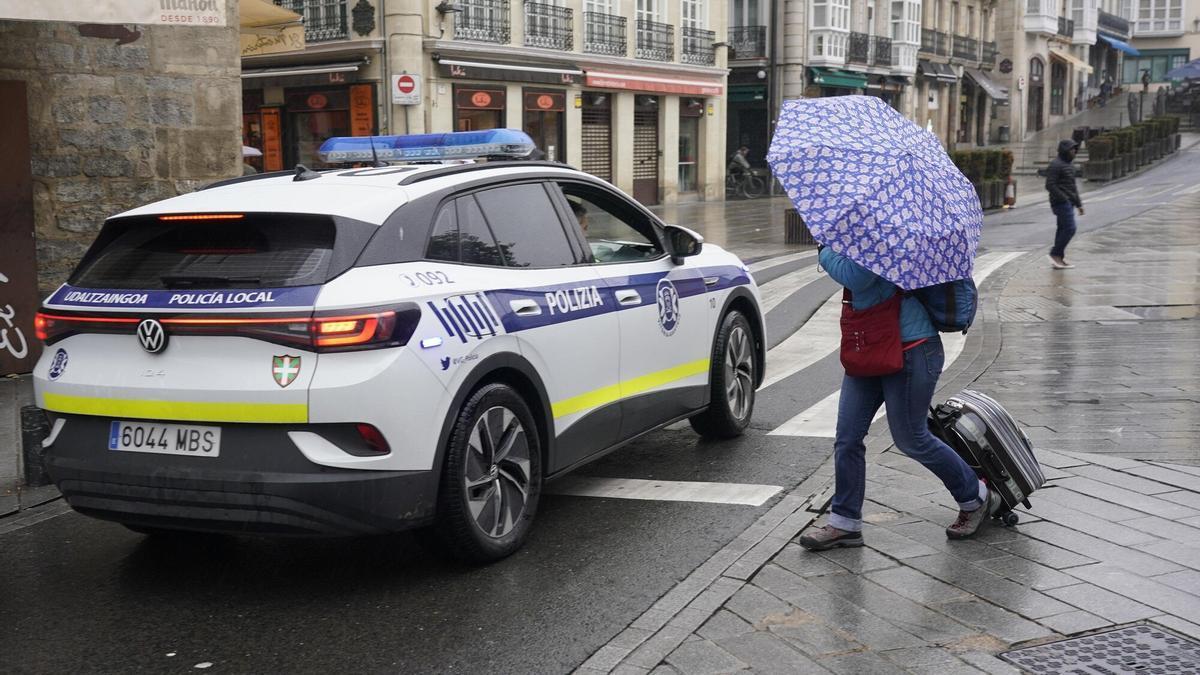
(682, 243)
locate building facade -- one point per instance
(631, 91)
(1166, 34)
(956, 91)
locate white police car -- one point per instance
(365, 350)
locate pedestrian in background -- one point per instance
(1145, 81)
(907, 394)
(1105, 90)
(1064, 201)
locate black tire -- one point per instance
(732, 380)
(474, 480)
(753, 187)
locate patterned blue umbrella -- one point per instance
(1188, 71)
(878, 189)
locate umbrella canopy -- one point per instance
(1188, 71)
(878, 189)
(248, 151)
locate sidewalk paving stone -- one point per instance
(1099, 549)
(1183, 497)
(897, 610)
(1169, 477)
(1186, 580)
(1107, 530)
(1046, 554)
(1027, 572)
(994, 621)
(704, 658)
(765, 653)
(724, 624)
(993, 588)
(1160, 505)
(1176, 552)
(917, 586)
(1112, 606)
(1166, 599)
(1074, 622)
(1167, 529)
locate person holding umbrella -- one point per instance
(892, 214)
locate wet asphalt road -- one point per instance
(89, 596)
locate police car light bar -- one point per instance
(508, 143)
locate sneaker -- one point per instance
(1066, 265)
(1057, 263)
(969, 522)
(827, 537)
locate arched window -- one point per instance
(1037, 71)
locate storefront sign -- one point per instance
(406, 89)
(662, 85)
(1006, 66)
(257, 43)
(362, 109)
(541, 73)
(272, 139)
(154, 12)
(317, 101)
(480, 99)
(546, 101)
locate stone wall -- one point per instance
(113, 126)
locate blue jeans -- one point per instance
(1066, 228)
(907, 394)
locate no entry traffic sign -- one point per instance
(406, 89)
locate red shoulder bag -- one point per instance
(871, 337)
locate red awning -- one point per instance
(662, 84)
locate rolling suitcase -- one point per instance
(989, 439)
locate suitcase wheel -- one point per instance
(1009, 518)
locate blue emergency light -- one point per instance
(506, 143)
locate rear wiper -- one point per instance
(199, 281)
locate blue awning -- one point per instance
(1119, 44)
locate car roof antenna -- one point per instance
(375, 156)
(304, 173)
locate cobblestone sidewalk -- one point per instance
(1100, 358)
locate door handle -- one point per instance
(525, 307)
(711, 281)
(628, 296)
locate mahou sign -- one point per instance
(160, 12)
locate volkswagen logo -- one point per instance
(151, 335)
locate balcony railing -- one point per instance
(748, 42)
(881, 50)
(1113, 24)
(966, 48)
(1066, 27)
(698, 46)
(859, 50)
(549, 27)
(933, 42)
(988, 54)
(604, 34)
(655, 40)
(324, 20)
(482, 21)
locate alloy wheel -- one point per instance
(497, 471)
(739, 373)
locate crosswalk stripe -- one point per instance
(820, 419)
(1114, 195)
(778, 290)
(780, 260)
(663, 490)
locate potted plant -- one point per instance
(1099, 166)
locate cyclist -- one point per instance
(738, 164)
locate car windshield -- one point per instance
(252, 251)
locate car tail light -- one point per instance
(373, 438)
(370, 328)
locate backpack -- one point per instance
(951, 305)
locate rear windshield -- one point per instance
(253, 251)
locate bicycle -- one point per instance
(744, 184)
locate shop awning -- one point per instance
(1079, 64)
(266, 28)
(306, 69)
(659, 84)
(539, 72)
(1121, 45)
(995, 91)
(747, 93)
(936, 71)
(830, 77)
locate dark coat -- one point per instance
(1060, 177)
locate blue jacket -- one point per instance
(870, 289)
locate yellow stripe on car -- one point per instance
(189, 411)
(631, 387)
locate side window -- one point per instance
(478, 247)
(615, 231)
(527, 227)
(443, 241)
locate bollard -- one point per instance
(35, 427)
(794, 229)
